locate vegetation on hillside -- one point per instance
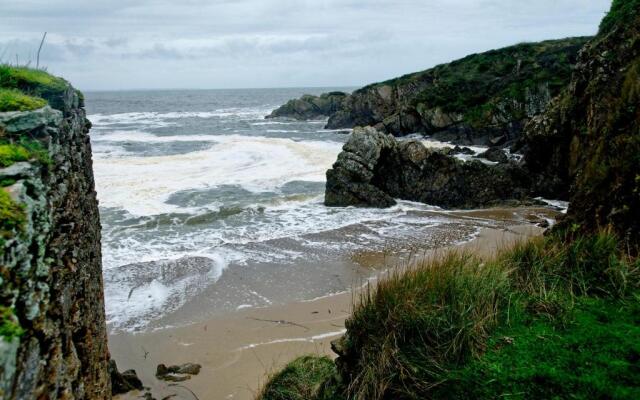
(622, 12)
(556, 316)
(301, 379)
(39, 85)
(480, 86)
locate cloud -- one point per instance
(239, 43)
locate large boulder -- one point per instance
(374, 169)
(310, 107)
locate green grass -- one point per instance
(556, 316)
(594, 354)
(9, 325)
(301, 379)
(35, 83)
(622, 11)
(14, 100)
(22, 150)
(12, 218)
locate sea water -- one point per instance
(193, 183)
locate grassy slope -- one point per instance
(480, 85)
(549, 317)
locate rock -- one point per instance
(310, 107)
(123, 382)
(462, 150)
(349, 182)
(177, 373)
(374, 169)
(495, 154)
(16, 122)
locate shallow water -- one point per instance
(208, 207)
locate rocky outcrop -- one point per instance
(51, 289)
(311, 107)
(587, 144)
(469, 101)
(374, 168)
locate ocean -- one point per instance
(206, 207)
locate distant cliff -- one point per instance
(53, 342)
(482, 97)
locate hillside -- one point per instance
(472, 100)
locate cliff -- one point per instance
(53, 342)
(588, 143)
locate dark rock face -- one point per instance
(311, 107)
(51, 271)
(495, 154)
(374, 168)
(588, 143)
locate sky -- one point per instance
(207, 44)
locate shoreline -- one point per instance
(238, 350)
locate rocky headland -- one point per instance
(484, 98)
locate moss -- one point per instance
(301, 379)
(9, 326)
(22, 150)
(14, 100)
(12, 218)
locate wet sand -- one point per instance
(239, 349)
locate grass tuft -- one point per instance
(301, 379)
(23, 150)
(9, 326)
(14, 100)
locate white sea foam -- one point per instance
(141, 185)
(309, 339)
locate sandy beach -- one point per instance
(238, 350)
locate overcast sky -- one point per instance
(126, 44)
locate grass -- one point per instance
(9, 325)
(12, 218)
(557, 317)
(593, 355)
(22, 150)
(14, 100)
(34, 83)
(622, 11)
(301, 379)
